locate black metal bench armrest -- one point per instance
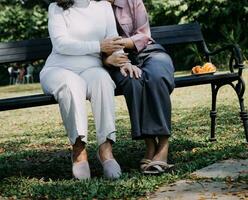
(236, 60)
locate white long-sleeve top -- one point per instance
(76, 34)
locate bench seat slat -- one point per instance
(42, 99)
(26, 101)
(185, 81)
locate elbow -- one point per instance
(60, 45)
(60, 48)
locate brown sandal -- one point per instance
(157, 167)
(143, 163)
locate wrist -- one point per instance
(105, 60)
(129, 44)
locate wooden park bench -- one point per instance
(168, 36)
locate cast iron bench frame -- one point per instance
(36, 49)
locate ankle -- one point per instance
(79, 152)
(105, 151)
(160, 158)
(151, 146)
(161, 154)
(149, 154)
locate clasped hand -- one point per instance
(132, 70)
(121, 60)
(111, 45)
(112, 48)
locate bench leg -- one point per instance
(10, 80)
(213, 112)
(240, 89)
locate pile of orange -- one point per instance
(206, 68)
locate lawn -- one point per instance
(35, 152)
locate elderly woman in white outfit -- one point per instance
(79, 31)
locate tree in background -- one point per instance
(22, 20)
(223, 21)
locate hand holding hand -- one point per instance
(111, 45)
(117, 59)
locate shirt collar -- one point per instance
(119, 3)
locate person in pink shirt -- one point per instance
(149, 84)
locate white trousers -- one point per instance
(71, 89)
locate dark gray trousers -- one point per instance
(148, 98)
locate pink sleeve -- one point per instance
(142, 33)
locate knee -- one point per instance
(158, 70)
(75, 87)
(154, 78)
(158, 80)
(162, 61)
(103, 80)
(132, 84)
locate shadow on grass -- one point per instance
(44, 161)
(46, 174)
(56, 164)
(196, 123)
(14, 145)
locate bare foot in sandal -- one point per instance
(162, 149)
(159, 161)
(151, 146)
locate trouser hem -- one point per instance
(111, 136)
(150, 133)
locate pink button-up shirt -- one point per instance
(133, 22)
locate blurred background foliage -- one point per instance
(222, 21)
(22, 20)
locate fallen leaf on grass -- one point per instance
(243, 172)
(229, 179)
(213, 194)
(2, 150)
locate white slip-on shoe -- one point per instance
(81, 170)
(111, 169)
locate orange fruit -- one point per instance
(207, 67)
(197, 69)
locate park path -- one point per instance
(225, 180)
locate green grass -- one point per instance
(35, 152)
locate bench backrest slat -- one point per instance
(40, 48)
(25, 50)
(23, 57)
(177, 34)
